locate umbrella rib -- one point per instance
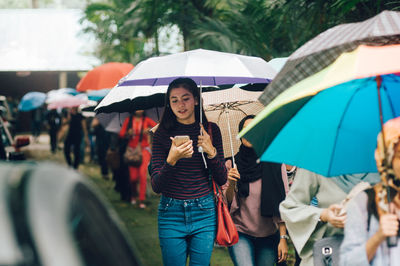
(337, 129)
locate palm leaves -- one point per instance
(268, 29)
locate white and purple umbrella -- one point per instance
(205, 67)
(150, 78)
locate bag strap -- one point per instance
(129, 125)
(141, 130)
(130, 122)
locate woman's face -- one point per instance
(244, 141)
(182, 104)
(139, 113)
(74, 110)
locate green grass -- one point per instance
(140, 224)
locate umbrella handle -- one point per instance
(391, 241)
(201, 103)
(230, 138)
(200, 149)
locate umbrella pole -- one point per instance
(391, 241)
(200, 149)
(230, 136)
(201, 104)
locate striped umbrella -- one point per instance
(325, 48)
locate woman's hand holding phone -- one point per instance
(177, 152)
(330, 215)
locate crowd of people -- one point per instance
(77, 135)
(269, 203)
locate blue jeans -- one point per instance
(186, 228)
(251, 251)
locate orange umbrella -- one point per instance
(105, 76)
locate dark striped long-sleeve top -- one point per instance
(188, 178)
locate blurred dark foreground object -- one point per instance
(50, 215)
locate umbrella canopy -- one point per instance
(226, 108)
(210, 68)
(144, 87)
(322, 50)
(278, 63)
(68, 101)
(131, 98)
(56, 95)
(112, 122)
(105, 76)
(329, 122)
(31, 101)
(97, 95)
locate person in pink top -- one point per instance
(255, 208)
(138, 129)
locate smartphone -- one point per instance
(178, 140)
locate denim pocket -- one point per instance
(164, 204)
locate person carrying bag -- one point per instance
(137, 153)
(133, 155)
(187, 220)
(227, 235)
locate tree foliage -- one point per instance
(265, 28)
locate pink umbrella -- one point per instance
(68, 102)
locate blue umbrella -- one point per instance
(329, 122)
(335, 132)
(97, 95)
(31, 101)
(71, 91)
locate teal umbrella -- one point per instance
(329, 122)
(31, 101)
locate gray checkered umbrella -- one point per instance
(321, 51)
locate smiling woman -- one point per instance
(182, 104)
(178, 173)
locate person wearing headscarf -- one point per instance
(255, 208)
(371, 220)
(310, 209)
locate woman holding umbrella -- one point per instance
(369, 220)
(255, 208)
(186, 213)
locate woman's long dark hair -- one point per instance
(168, 120)
(241, 123)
